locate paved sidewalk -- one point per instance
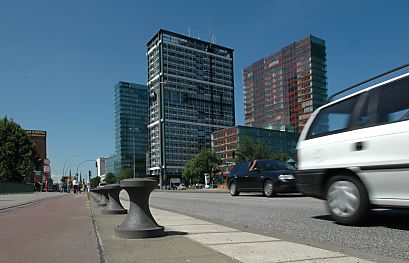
(51, 230)
(13, 200)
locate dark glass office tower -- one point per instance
(191, 95)
(282, 90)
(131, 136)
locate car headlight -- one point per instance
(284, 177)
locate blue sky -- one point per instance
(59, 60)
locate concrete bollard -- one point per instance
(139, 223)
(103, 201)
(96, 195)
(114, 205)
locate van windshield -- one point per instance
(335, 117)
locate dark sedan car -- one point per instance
(266, 176)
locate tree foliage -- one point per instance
(284, 157)
(125, 173)
(110, 178)
(204, 162)
(95, 181)
(249, 150)
(245, 151)
(18, 156)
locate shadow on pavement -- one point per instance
(175, 233)
(390, 218)
(278, 195)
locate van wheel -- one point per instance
(234, 191)
(268, 188)
(347, 200)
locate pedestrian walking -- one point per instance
(83, 185)
(75, 184)
(68, 182)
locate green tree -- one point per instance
(245, 151)
(284, 157)
(125, 173)
(261, 151)
(201, 163)
(95, 181)
(18, 156)
(110, 178)
(249, 150)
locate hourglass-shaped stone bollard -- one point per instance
(139, 223)
(103, 201)
(96, 195)
(114, 205)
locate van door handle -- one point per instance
(359, 146)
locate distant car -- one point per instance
(182, 187)
(199, 186)
(266, 176)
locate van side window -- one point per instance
(333, 119)
(393, 104)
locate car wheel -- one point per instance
(347, 200)
(234, 191)
(268, 188)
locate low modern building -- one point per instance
(113, 164)
(226, 141)
(100, 163)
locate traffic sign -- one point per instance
(46, 169)
(46, 161)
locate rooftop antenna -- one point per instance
(211, 35)
(189, 31)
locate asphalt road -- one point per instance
(296, 218)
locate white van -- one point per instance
(354, 152)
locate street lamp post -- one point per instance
(76, 173)
(69, 158)
(161, 133)
(133, 130)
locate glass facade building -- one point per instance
(283, 89)
(113, 164)
(226, 141)
(131, 135)
(191, 95)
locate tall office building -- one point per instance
(131, 135)
(283, 89)
(191, 95)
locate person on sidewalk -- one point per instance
(68, 184)
(75, 184)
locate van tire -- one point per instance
(234, 190)
(347, 200)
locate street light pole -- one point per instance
(133, 144)
(76, 173)
(63, 169)
(161, 133)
